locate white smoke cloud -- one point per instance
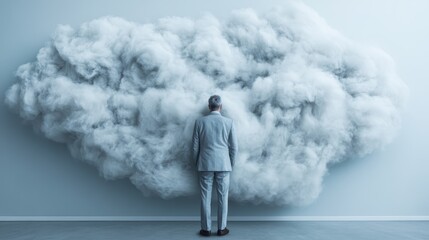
(124, 96)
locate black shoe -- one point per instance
(205, 233)
(222, 232)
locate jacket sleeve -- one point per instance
(232, 144)
(195, 144)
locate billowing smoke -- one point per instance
(124, 96)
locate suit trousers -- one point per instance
(221, 180)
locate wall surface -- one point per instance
(38, 177)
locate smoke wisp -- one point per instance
(124, 96)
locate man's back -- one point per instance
(214, 143)
(214, 146)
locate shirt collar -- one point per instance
(215, 112)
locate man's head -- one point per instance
(215, 103)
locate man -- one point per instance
(214, 151)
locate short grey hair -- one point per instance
(215, 102)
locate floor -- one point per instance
(331, 230)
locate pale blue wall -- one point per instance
(39, 178)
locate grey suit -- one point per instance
(214, 149)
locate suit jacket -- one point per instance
(214, 143)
